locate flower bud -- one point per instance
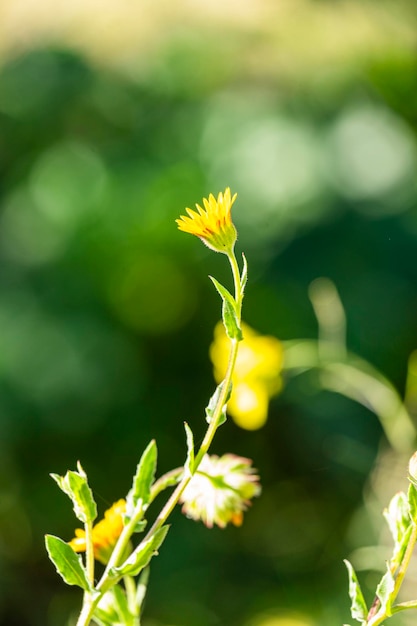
(412, 469)
(221, 490)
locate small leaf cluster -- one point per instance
(401, 516)
(113, 603)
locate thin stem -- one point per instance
(168, 479)
(381, 615)
(88, 526)
(357, 379)
(130, 587)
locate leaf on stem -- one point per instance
(75, 486)
(358, 607)
(244, 275)
(142, 588)
(141, 556)
(213, 402)
(384, 591)
(113, 608)
(229, 312)
(189, 463)
(68, 564)
(142, 482)
(412, 502)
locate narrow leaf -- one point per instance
(384, 591)
(142, 555)
(397, 516)
(244, 275)
(145, 474)
(189, 463)
(358, 607)
(229, 312)
(142, 588)
(68, 564)
(224, 293)
(213, 402)
(122, 607)
(412, 502)
(75, 486)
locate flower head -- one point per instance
(220, 491)
(105, 533)
(256, 377)
(213, 224)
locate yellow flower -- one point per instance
(213, 224)
(105, 533)
(257, 374)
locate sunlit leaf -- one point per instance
(189, 463)
(141, 556)
(358, 607)
(75, 486)
(68, 564)
(229, 312)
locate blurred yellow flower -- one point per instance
(213, 224)
(257, 374)
(105, 533)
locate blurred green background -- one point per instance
(114, 116)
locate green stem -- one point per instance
(356, 379)
(88, 526)
(379, 617)
(218, 411)
(90, 602)
(130, 587)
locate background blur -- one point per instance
(114, 116)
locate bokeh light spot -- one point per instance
(152, 295)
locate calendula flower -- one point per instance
(221, 490)
(105, 533)
(213, 224)
(256, 377)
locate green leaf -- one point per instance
(412, 502)
(244, 275)
(229, 312)
(213, 402)
(142, 588)
(113, 608)
(75, 486)
(384, 591)
(126, 617)
(141, 556)
(144, 477)
(397, 516)
(358, 607)
(68, 564)
(189, 463)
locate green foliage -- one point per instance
(189, 463)
(75, 486)
(213, 403)
(68, 564)
(114, 609)
(229, 312)
(141, 556)
(358, 608)
(143, 479)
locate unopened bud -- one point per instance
(412, 469)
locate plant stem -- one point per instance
(88, 526)
(90, 601)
